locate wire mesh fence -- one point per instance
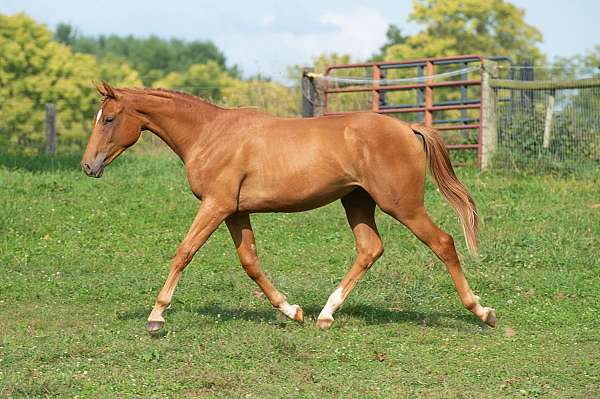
(551, 123)
(23, 120)
(545, 118)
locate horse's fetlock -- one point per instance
(163, 301)
(471, 303)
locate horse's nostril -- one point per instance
(87, 167)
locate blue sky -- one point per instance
(266, 36)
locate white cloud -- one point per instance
(298, 31)
(267, 20)
(359, 33)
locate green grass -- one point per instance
(82, 260)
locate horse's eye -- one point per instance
(109, 119)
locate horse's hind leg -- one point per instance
(360, 211)
(442, 244)
(243, 237)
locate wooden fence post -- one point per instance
(51, 129)
(308, 94)
(488, 118)
(429, 71)
(548, 122)
(375, 98)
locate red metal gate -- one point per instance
(425, 88)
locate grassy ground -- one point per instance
(81, 261)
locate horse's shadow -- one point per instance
(368, 314)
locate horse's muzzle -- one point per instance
(95, 167)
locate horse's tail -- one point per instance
(446, 180)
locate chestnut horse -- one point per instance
(242, 161)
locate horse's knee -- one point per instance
(370, 253)
(444, 247)
(376, 250)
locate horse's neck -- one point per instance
(178, 125)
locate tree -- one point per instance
(204, 80)
(453, 27)
(36, 70)
(119, 74)
(211, 82)
(576, 130)
(591, 59)
(394, 36)
(572, 67)
(215, 84)
(335, 102)
(152, 57)
(65, 33)
(270, 97)
(456, 27)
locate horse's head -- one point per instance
(117, 126)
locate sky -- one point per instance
(267, 36)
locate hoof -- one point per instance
(154, 327)
(490, 318)
(324, 324)
(294, 312)
(299, 316)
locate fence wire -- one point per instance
(546, 118)
(549, 124)
(22, 119)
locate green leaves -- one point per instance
(204, 80)
(153, 57)
(453, 27)
(35, 70)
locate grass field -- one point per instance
(82, 260)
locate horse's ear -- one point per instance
(109, 90)
(100, 89)
(105, 90)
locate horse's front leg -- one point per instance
(209, 217)
(243, 237)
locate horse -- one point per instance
(240, 161)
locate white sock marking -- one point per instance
(156, 315)
(334, 301)
(288, 310)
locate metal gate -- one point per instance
(424, 85)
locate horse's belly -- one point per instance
(291, 196)
(296, 174)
